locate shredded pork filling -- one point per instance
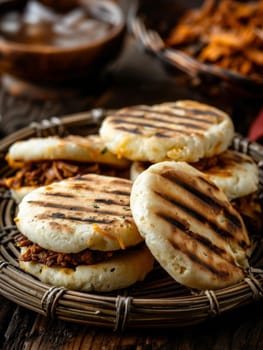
(250, 208)
(206, 163)
(45, 172)
(50, 258)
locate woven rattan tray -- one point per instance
(158, 301)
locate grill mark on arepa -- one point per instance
(135, 117)
(137, 131)
(216, 204)
(224, 274)
(209, 112)
(125, 184)
(100, 180)
(60, 194)
(204, 241)
(198, 216)
(59, 215)
(157, 123)
(221, 273)
(92, 190)
(119, 192)
(93, 210)
(196, 116)
(105, 201)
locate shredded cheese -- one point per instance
(14, 164)
(99, 230)
(121, 243)
(120, 149)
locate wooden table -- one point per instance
(133, 78)
(22, 329)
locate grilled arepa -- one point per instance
(89, 211)
(190, 226)
(79, 233)
(121, 270)
(182, 131)
(41, 161)
(74, 148)
(234, 172)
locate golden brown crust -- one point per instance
(190, 226)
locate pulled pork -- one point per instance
(250, 208)
(50, 258)
(45, 172)
(206, 163)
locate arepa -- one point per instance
(234, 172)
(79, 233)
(41, 161)
(190, 226)
(89, 211)
(72, 148)
(120, 271)
(182, 131)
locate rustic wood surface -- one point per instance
(133, 78)
(23, 329)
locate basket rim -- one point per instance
(121, 309)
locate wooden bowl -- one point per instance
(44, 62)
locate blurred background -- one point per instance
(64, 57)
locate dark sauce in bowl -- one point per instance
(42, 43)
(41, 25)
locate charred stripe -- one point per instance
(205, 242)
(106, 201)
(96, 180)
(197, 115)
(221, 273)
(224, 274)
(159, 123)
(170, 117)
(210, 112)
(201, 218)
(119, 192)
(212, 202)
(159, 134)
(95, 189)
(59, 215)
(138, 132)
(60, 194)
(95, 210)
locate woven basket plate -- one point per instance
(157, 301)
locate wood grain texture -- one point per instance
(6, 311)
(238, 330)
